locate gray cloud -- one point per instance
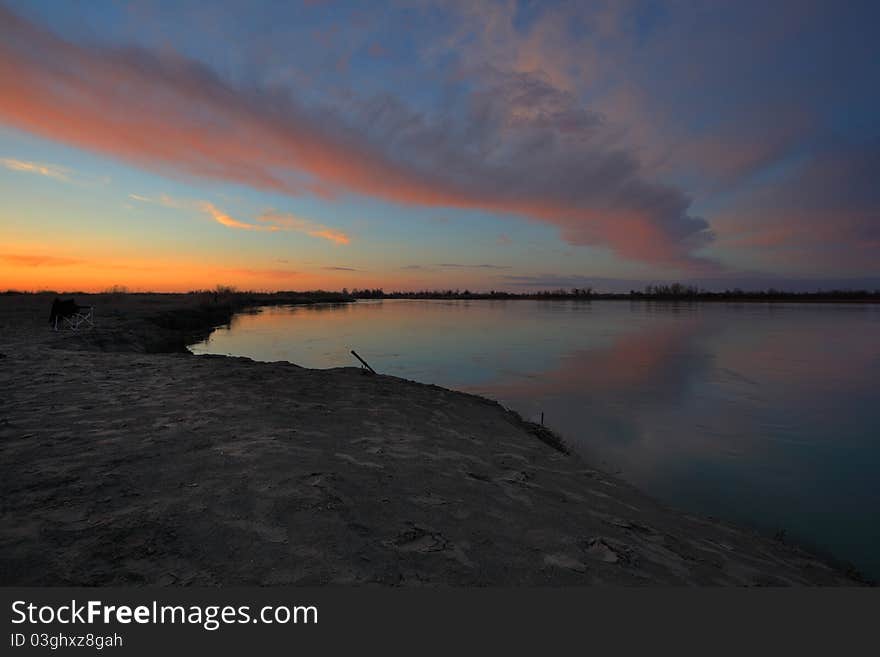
(453, 265)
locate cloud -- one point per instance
(518, 145)
(823, 214)
(377, 50)
(164, 199)
(272, 220)
(39, 260)
(339, 268)
(551, 280)
(222, 218)
(269, 273)
(49, 170)
(672, 83)
(269, 221)
(453, 265)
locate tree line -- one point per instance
(671, 291)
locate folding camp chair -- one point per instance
(69, 314)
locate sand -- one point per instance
(119, 467)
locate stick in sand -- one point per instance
(355, 354)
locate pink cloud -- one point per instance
(536, 157)
(377, 50)
(823, 214)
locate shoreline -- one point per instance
(124, 463)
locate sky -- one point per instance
(408, 145)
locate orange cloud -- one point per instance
(265, 273)
(38, 260)
(333, 236)
(278, 221)
(223, 218)
(270, 221)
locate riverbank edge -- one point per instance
(191, 326)
(554, 440)
(187, 325)
(173, 329)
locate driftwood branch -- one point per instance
(367, 365)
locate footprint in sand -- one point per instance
(429, 500)
(417, 539)
(565, 561)
(649, 532)
(365, 464)
(608, 550)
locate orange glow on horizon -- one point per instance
(32, 269)
(35, 272)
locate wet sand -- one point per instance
(122, 467)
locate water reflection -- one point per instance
(764, 414)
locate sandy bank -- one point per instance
(120, 467)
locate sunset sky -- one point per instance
(406, 145)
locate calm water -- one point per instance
(765, 414)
